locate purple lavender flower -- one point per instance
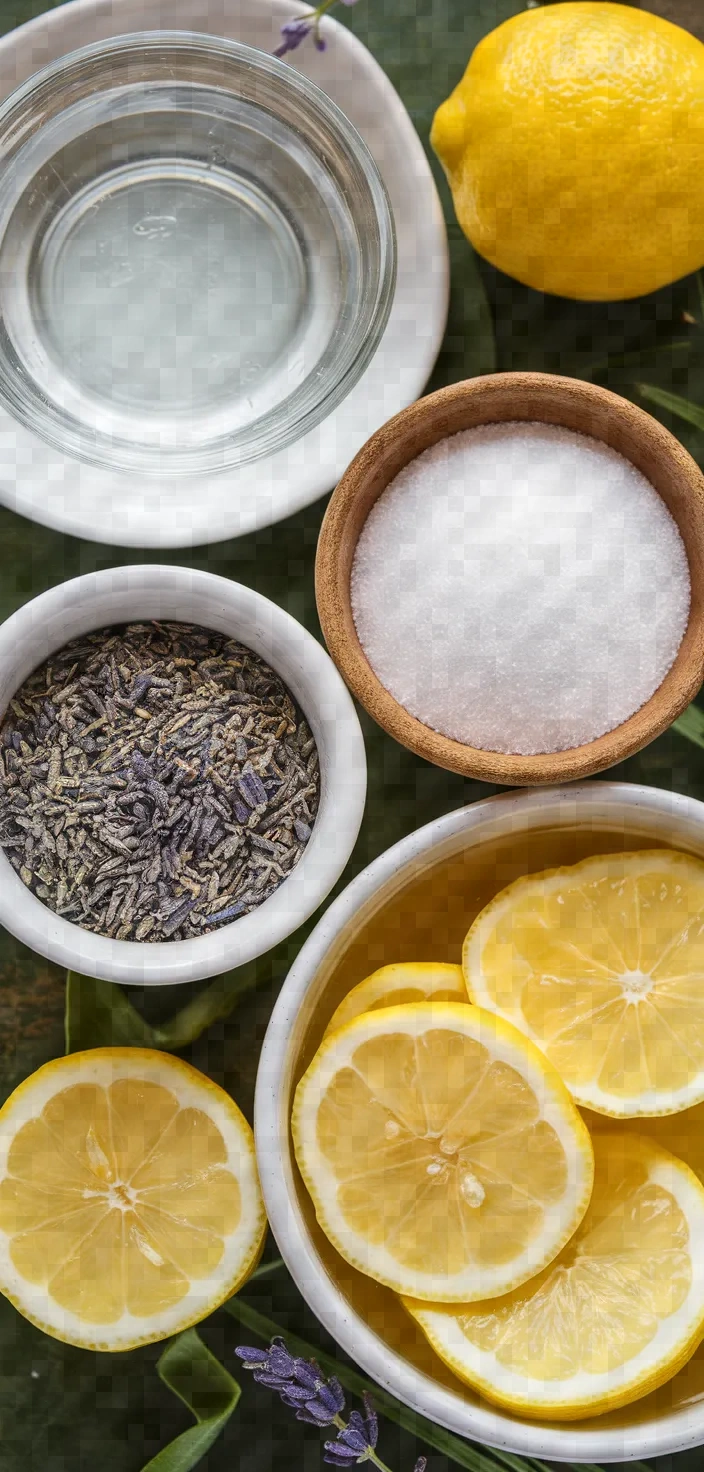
(320, 1402)
(293, 32)
(356, 1440)
(300, 1383)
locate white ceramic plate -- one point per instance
(132, 511)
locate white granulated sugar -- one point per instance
(520, 588)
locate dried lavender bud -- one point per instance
(371, 1419)
(309, 1374)
(331, 1396)
(170, 753)
(280, 1361)
(294, 1395)
(252, 1356)
(339, 1456)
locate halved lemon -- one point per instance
(129, 1200)
(602, 965)
(615, 1315)
(444, 1156)
(394, 986)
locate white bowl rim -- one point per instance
(138, 592)
(514, 812)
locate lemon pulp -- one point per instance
(443, 1154)
(615, 1315)
(129, 1201)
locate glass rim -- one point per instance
(55, 88)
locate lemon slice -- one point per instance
(393, 986)
(129, 1200)
(614, 1316)
(602, 965)
(682, 1134)
(444, 1156)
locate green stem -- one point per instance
(319, 12)
(322, 10)
(377, 1462)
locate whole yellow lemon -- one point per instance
(574, 148)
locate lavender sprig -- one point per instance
(295, 31)
(301, 1385)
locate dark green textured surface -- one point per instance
(66, 1410)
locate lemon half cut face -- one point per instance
(129, 1200)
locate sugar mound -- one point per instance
(521, 588)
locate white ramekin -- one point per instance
(123, 594)
(648, 1431)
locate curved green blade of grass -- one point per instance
(194, 1374)
(674, 403)
(622, 362)
(691, 725)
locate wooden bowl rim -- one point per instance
(672, 696)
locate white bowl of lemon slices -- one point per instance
(480, 1121)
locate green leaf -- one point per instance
(215, 1001)
(211, 1394)
(462, 1453)
(674, 403)
(99, 1014)
(621, 362)
(691, 725)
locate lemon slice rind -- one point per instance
(428, 978)
(243, 1247)
(587, 1393)
(505, 1046)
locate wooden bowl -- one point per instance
(510, 397)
